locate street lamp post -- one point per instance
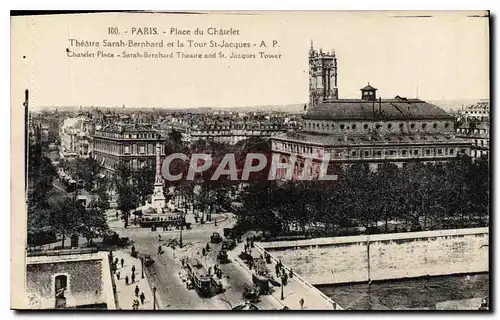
(142, 267)
(154, 298)
(182, 223)
(282, 296)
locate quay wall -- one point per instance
(385, 256)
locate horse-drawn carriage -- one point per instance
(222, 256)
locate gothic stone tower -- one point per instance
(322, 76)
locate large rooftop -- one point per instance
(387, 109)
(122, 127)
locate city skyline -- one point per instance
(443, 57)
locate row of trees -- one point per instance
(416, 197)
(52, 212)
(206, 195)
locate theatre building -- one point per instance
(367, 130)
(130, 144)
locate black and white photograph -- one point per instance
(207, 161)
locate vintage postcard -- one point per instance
(212, 161)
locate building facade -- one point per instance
(234, 132)
(75, 135)
(474, 126)
(479, 111)
(130, 144)
(368, 130)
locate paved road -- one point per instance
(165, 273)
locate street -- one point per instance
(164, 274)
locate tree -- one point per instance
(66, 217)
(87, 170)
(127, 195)
(101, 193)
(93, 222)
(144, 179)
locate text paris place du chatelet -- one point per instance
(171, 43)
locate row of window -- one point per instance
(328, 126)
(481, 142)
(124, 149)
(115, 135)
(295, 148)
(111, 162)
(472, 131)
(234, 132)
(428, 152)
(369, 153)
(477, 112)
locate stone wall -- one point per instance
(391, 256)
(88, 280)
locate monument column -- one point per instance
(158, 198)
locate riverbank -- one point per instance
(434, 293)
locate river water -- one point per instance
(434, 293)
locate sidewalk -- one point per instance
(295, 289)
(124, 292)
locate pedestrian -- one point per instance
(301, 302)
(143, 297)
(118, 275)
(122, 262)
(209, 270)
(159, 237)
(277, 268)
(207, 247)
(136, 291)
(133, 277)
(133, 269)
(126, 280)
(159, 249)
(203, 251)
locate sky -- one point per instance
(442, 57)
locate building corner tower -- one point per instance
(322, 76)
